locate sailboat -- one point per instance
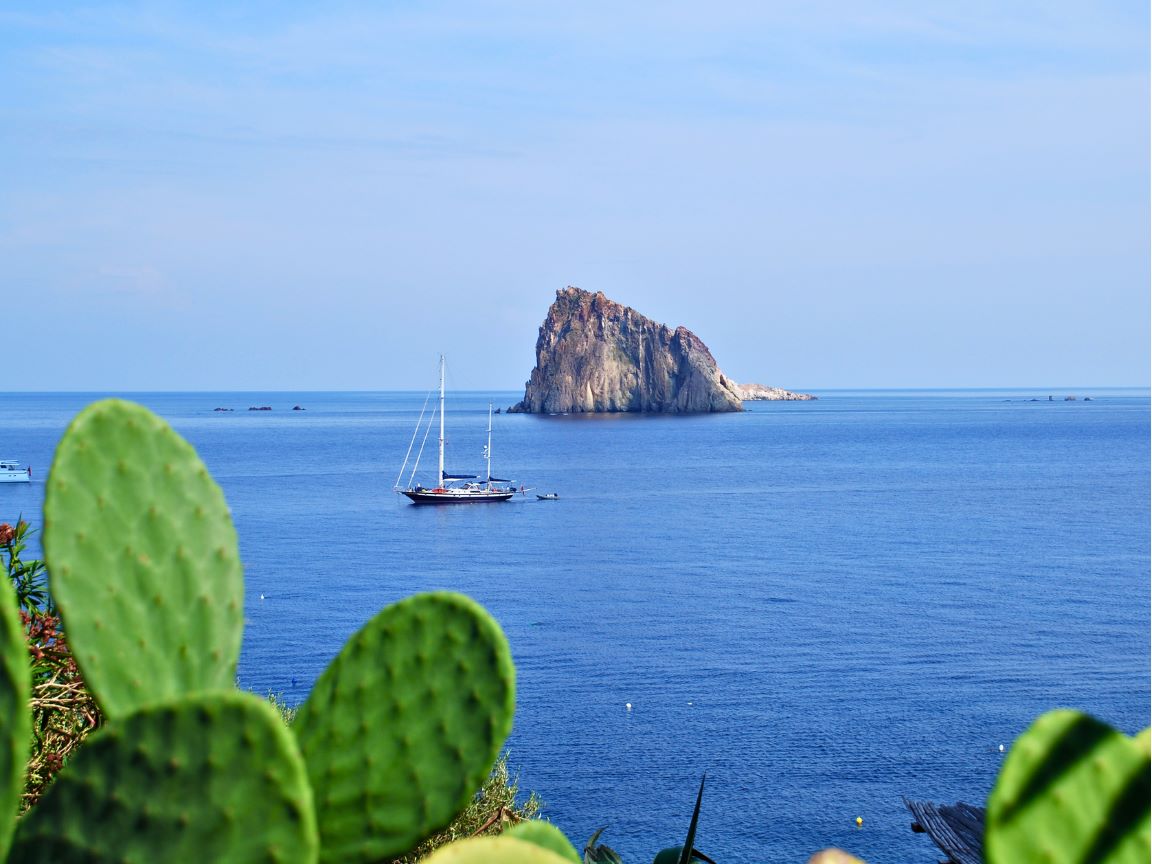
(449, 488)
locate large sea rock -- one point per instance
(595, 355)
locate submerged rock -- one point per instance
(595, 355)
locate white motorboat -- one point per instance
(11, 472)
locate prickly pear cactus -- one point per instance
(1071, 790)
(546, 835)
(494, 850)
(215, 777)
(404, 725)
(15, 720)
(144, 560)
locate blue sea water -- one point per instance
(825, 606)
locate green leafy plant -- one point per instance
(596, 852)
(63, 712)
(688, 852)
(29, 578)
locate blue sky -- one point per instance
(327, 195)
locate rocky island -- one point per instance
(595, 355)
(760, 393)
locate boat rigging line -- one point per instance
(415, 432)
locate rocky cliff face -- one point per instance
(594, 355)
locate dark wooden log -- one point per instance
(957, 829)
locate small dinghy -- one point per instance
(551, 496)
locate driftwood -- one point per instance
(958, 829)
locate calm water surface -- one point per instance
(825, 605)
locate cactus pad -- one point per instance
(215, 777)
(15, 720)
(547, 835)
(494, 850)
(144, 560)
(404, 725)
(1071, 790)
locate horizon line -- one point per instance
(870, 388)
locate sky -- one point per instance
(325, 196)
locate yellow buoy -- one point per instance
(859, 821)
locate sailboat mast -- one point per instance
(488, 449)
(441, 475)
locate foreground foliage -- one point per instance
(62, 710)
(493, 809)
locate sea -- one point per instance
(825, 607)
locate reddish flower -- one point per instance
(7, 534)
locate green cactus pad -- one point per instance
(215, 777)
(1071, 790)
(547, 835)
(15, 720)
(404, 725)
(494, 850)
(144, 560)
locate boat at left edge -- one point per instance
(454, 488)
(11, 472)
